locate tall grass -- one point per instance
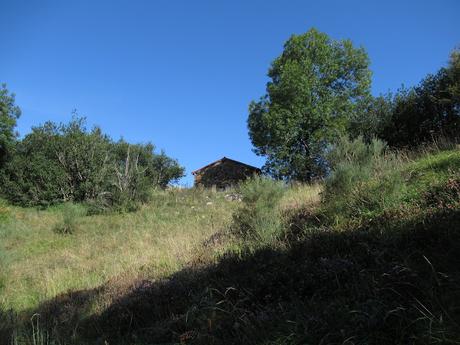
(39, 264)
(33, 334)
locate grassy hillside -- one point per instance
(38, 263)
(373, 261)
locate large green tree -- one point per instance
(9, 113)
(315, 87)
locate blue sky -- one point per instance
(182, 73)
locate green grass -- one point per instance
(38, 263)
(377, 264)
(392, 182)
(431, 169)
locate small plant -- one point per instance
(258, 218)
(70, 213)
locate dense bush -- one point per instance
(57, 164)
(68, 162)
(364, 178)
(257, 219)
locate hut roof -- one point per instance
(223, 159)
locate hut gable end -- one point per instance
(223, 173)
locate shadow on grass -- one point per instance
(363, 286)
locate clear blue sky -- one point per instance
(182, 73)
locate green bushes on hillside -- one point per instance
(67, 162)
(369, 181)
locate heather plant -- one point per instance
(364, 179)
(257, 219)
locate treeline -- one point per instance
(415, 115)
(319, 92)
(68, 162)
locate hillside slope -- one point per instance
(39, 263)
(385, 271)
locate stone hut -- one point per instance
(223, 173)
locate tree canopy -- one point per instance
(415, 115)
(315, 86)
(9, 113)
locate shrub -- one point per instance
(69, 218)
(258, 218)
(364, 179)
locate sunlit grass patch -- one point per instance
(39, 263)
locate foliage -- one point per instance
(351, 189)
(372, 117)
(68, 162)
(453, 73)
(424, 112)
(34, 176)
(416, 115)
(9, 113)
(164, 170)
(316, 85)
(257, 218)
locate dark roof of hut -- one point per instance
(223, 159)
